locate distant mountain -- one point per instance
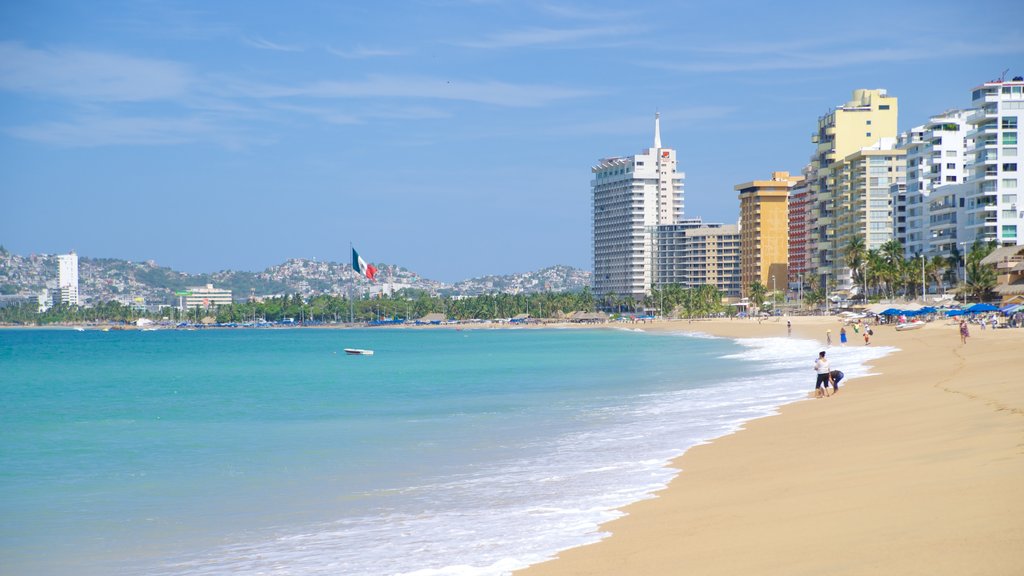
(105, 279)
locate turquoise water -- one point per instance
(272, 452)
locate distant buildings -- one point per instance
(694, 253)
(631, 197)
(205, 297)
(67, 281)
(764, 231)
(800, 202)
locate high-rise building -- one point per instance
(694, 253)
(993, 208)
(800, 202)
(936, 172)
(867, 182)
(860, 123)
(630, 197)
(764, 231)
(67, 281)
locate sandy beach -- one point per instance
(918, 469)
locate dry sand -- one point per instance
(917, 470)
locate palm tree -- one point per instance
(757, 293)
(981, 279)
(892, 255)
(937, 268)
(855, 253)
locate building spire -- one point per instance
(657, 130)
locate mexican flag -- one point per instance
(360, 266)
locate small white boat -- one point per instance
(358, 352)
(910, 325)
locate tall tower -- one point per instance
(68, 278)
(994, 202)
(630, 197)
(869, 116)
(764, 231)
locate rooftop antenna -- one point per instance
(657, 130)
(1002, 76)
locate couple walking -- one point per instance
(826, 376)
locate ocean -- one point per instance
(271, 452)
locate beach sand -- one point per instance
(916, 470)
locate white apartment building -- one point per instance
(205, 297)
(630, 197)
(936, 172)
(67, 282)
(993, 209)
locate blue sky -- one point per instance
(451, 137)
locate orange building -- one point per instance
(764, 231)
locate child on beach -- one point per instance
(842, 336)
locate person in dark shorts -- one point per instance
(822, 369)
(835, 376)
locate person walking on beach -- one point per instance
(789, 328)
(828, 337)
(823, 370)
(842, 336)
(965, 333)
(867, 335)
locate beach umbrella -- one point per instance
(1011, 308)
(927, 310)
(955, 313)
(890, 312)
(981, 307)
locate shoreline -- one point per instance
(919, 466)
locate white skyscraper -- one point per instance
(994, 211)
(68, 280)
(631, 197)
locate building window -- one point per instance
(883, 107)
(950, 153)
(1009, 231)
(1009, 182)
(950, 166)
(1009, 151)
(1010, 138)
(1009, 122)
(950, 178)
(1010, 167)
(869, 122)
(868, 134)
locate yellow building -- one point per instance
(860, 123)
(764, 231)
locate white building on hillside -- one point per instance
(206, 297)
(67, 282)
(631, 197)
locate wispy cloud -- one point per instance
(805, 55)
(89, 76)
(547, 37)
(264, 44)
(361, 52)
(105, 130)
(485, 92)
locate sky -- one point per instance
(452, 137)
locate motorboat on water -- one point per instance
(358, 352)
(910, 325)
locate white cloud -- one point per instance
(361, 52)
(546, 36)
(105, 130)
(265, 44)
(486, 92)
(805, 55)
(88, 76)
